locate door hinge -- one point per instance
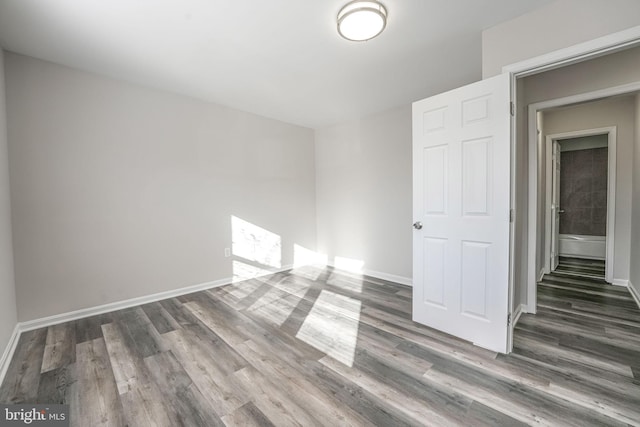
(512, 215)
(512, 108)
(509, 319)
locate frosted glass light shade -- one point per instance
(361, 20)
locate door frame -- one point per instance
(611, 132)
(552, 191)
(533, 275)
(591, 49)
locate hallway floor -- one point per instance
(586, 336)
(581, 267)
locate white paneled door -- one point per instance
(461, 193)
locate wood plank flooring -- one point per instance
(318, 347)
(581, 267)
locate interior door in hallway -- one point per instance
(461, 202)
(555, 207)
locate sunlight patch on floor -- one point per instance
(279, 302)
(332, 326)
(243, 271)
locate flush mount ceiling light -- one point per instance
(361, 20)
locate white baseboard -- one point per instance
(401, 280)
(7, 355)
(634, 293)
(620, 282)
(132, 302)
(541, 274)
(406, 281)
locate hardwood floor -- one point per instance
(581, 267)
(318, 347)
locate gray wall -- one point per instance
(120, 191)
(8, 317)
(609, 112)
(364, 196)
(558, 25)
(634, 274)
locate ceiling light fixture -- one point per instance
(361, 20)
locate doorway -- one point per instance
(580, 202)
(614, 113)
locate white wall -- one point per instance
(557, 25)
(364, 192)
(618, 112)
(8, 316)
(635, 218)
(120, 191)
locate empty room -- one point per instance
(331, 213)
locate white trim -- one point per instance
(533, 171)
(7, 355)
(634, 293)
(517, 313)
(620, 282)
(532, 203)
(513, 94)
(580, 52)
(515, 316)
(541, 275)
(401, 280)
(611, 132)
(612, 153)
(588, 96)
(548, 197)
(132, 302)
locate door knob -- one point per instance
(417, 225)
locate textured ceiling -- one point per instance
(281, 59)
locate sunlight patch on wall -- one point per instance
(348, 264)
(308, 263)
(303, 256)
(255, 243)
(332, 326)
